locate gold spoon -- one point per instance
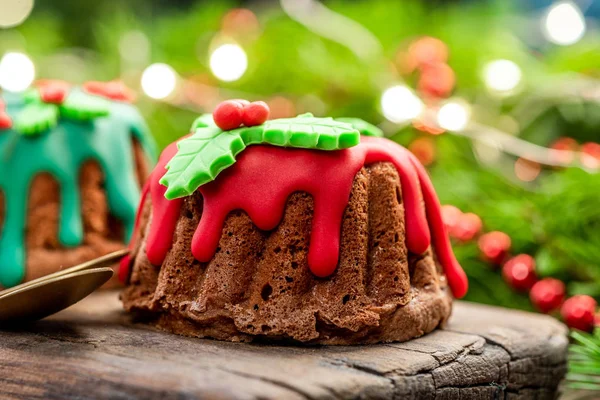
(52, 293)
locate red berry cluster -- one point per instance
(578, 312)
(5, 120)
(461, 226)
(547, 295)
(231, 114)
(113, 90)
(429, 57)
(589, 152)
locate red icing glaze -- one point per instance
(263, 178)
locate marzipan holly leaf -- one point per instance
(202, 122)
(310, 132)
(365, 128)
(36, 118)
(201, 157)
(82, 106)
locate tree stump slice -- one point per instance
(94, 350)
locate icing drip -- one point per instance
(61, 152)
(263, 178)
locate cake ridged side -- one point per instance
(259, 285)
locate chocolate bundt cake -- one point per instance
(72, 164)
(314, 234)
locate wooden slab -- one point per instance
(93, 350)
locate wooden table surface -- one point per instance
(93, 350)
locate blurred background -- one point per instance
(499, 99)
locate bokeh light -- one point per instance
(228, 62)
(564, 24)
(17, 72)
(453, 116)
(502, 76)
(159, 81)
(399, 104)
(134, 47)
(14, 12)
(240, 22)
(527, 170)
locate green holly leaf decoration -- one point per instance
(32, 96)
(365, 128)
(36, 118)
(310, 132)
(202, 122)
(200, 158)
(83, 107)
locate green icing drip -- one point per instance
(61, 152)
(202, 156)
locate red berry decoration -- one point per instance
(255, 113)
(52, 91)
(467, 227)
(519, 272)
(228, 115)
(243, 102)
(114, 90)
(578, 312)
(494, 246)
(547, 295)
(117, 90)
(53, 94)
(5, 121)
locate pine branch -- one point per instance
(584, 361)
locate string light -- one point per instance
(159, 81)
(564, 23)
(399, 104)
(14, 12)
(453, 116)
(17, 72)
(502, 76)
(228, 62)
